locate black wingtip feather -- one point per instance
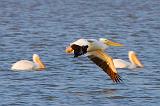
(117, 79)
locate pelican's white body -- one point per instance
(24, 65)
(119, 63)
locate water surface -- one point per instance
(46, 27)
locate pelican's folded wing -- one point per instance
(105, 62)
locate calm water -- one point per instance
(46, 27)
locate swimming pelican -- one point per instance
(95, 52)
(89, 45)
(37, 64)
(134, 62)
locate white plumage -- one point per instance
(36, 64)
(134, 62)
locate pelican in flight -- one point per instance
(89, 45)
(94, 50)
(134, 62)
(37, 64)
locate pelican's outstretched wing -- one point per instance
(105, 62)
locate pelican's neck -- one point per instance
(38, 62)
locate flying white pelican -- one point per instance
(37, 64)
(89, 45)
(95, 52)
(134, 62)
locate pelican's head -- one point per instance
(109, 42)
(134, 59)
(38, 61)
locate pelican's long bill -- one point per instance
(110, 43)
(38, 61)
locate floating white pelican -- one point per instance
(95, 52)
(37, 64)
(134, 61)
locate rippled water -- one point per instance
(46, 27)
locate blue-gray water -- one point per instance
(46, 27)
